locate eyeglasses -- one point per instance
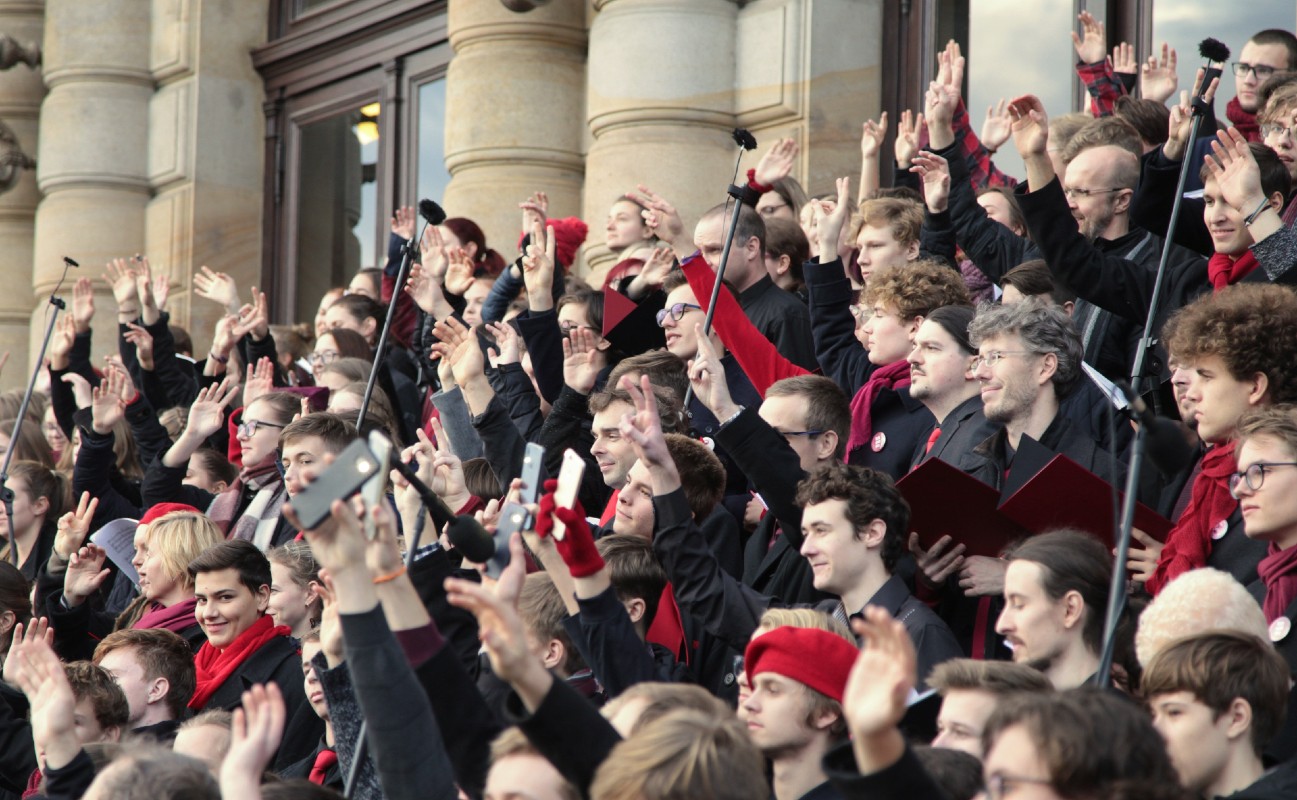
(997, 786)
(1072, 194)
(675, 311)
(1261, 71)
(323, 357)
(1270, 128)
(568, 327)
(247, 428)
(992, 358)
(1254, 476)
(807, 434)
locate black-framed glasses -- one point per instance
(1072, 194)
(568, 327)
(1270, 128)
(247, 428)
(992, 358)
(1261, 71)
(675, 311)
(998, 785)
(1254, 476)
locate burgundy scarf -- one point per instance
(1210, 503)
(265, 476)
(177, 617)
(1279, 572)
(895, 375)
(1245, 121)
(1225, 270)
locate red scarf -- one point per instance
(1245, 121)
(1225, 270)
(668, 627)
(1279, 572)
(214, 666)
(177, 617)
(895, 375)
(1189, 542)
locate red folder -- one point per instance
(946, 501)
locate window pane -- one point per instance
(1009, 55)
(431, 157)
(337, 203)
(1181, 25)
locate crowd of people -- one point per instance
(779, 573)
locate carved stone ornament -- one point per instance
(12, 159)
(12, 53)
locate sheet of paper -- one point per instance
(117, 538)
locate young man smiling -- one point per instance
(244, 647)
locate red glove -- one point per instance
(577, 546)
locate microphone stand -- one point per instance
(1117, 591)
(745, 141)
(7, 494)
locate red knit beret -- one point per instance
(165, 508)
(817, 658)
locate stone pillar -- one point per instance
(515, 99)
(206, 140)
(21, 91)
(94, 142)
(661, 106)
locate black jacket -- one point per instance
(904, 780)
(568, 731)
(781, 318)
(963, 429)
(989, 460)
(333, 777)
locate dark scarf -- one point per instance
(1278, 571)
(1189, 542)
(895, 375)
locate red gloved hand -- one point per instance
(577, 545)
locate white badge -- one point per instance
(1221, 528)
(879, 442)
(1279, 629)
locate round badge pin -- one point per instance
(710, 442)
(1220, 529)
(1279, 629)
(878, 442)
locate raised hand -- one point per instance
(459, 272)
(878, 689)
(499, 626)
(535, 210)
(161, 291)
(830, 218)
(254, 318)
(331, 641)
(120, 275)
(74, 527)
(207, 413)
(426, 290)
(1092, 46)
(83, 304)
(37, 629)
(658, 266)
(144, 289)
(38, 672)
(1030, 125)
(447, 477)
(65, 335)
(538, 269)
(707, 376)
(106, 407)
(997, 128)
(118, 380)
(582, 360)
(940, 103)
(143, 341)
(457, 344)
(1157, 76)
(404, 222)
(260, 381)
(1236, 172)
(643, 427)
(663, 219)
(432, 253)
(777, 163)
(953, 71)
(338, 542)
(1123, 59)
(217, 287)
(907, 142)
(935, 172)
(80, 389)
(507, 348)
(255, 734)
(85, 574)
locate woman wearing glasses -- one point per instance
(249, 509)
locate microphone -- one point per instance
(70, 262)
(1215, 51)
(744, 138)
(1166, 445)
(478, 546)
(431, 212)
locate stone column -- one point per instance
(93, 145)
(21, 91)
(206, 140)
(661, 106)
(515, 96)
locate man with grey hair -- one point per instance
(1029, 357)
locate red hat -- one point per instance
(817, 658)
(569, 235)
(162, 509)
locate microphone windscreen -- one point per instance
(744, 138)
(70, 262)
(1214, 50)
(431, 212)
(471, 539)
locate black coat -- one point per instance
(963, 429)
(989, 460)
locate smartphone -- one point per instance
(569, 483)
(353, 467)
(533, 472)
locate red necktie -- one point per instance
(932, 439)
(323, 761)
